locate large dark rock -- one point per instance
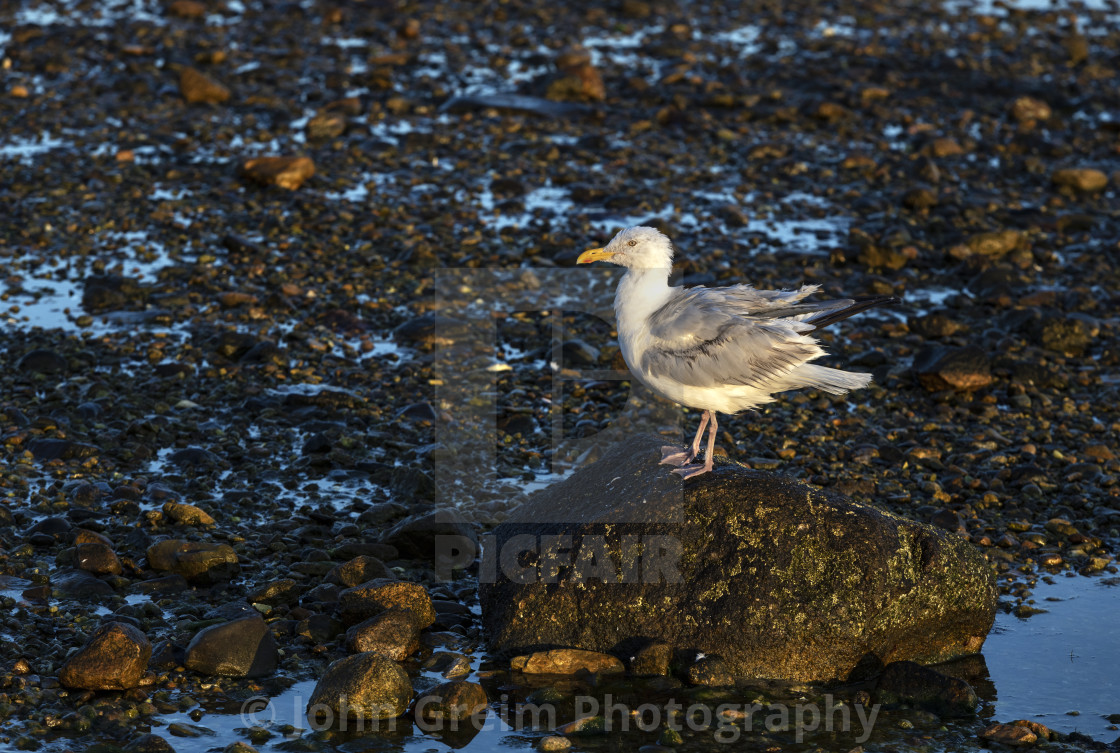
(366, 685)
(907, 682)
(420, 537)
(241, 648)
(198, 562)
(114, 658)
(779, 579)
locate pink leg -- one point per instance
(689, 471)
(673, 456)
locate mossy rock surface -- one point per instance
(780, 579)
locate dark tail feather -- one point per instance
(858, 305)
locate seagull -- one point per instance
(719, 350)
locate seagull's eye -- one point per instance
(632, 243)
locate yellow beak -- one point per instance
(595, 254)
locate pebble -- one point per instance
(199, 88)
(1083, 179)
(1028, 108)
(187, 9)
(940, 367)
(187, 515)
(448, 664)
(285, 172)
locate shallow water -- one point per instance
(1062, 659)
(1058, 668)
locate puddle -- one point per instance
(1058, 668)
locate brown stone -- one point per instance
(451, 701)
(392, 633)
(198, 88)
(1029, 108)
(187, 515)
(187, 9)
(285, 172)
(946, 147)
(1009, 734)
(86, 536)
(359, 570)
(380, 594)
(1081, 180)
(566, 661)
(940, 368)
(367, 686)
(114, 658)
(195, 560)
(652, 659)
(98, 559)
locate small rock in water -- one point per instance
(285, 172)
(114, 658)
(198, 88)
(448, 664)
(451, 701)
(567, 661)
(909, 682)
(555, 743)
(149, 744)
(369, 686)
(240, 648)
(1009, 734)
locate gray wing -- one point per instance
(706, 337)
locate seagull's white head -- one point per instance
(634, 248)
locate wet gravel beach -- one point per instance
(246, 250)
